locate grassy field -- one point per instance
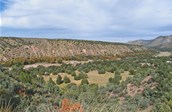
(100, 79)
(93, 77)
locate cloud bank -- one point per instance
(109, 20)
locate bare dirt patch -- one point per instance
(41, 64)
(161, 54)
(73, 62)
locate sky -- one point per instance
(103, 20)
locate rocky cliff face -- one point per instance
(11, 48)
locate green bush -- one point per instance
(66, 80)
(111, 80)
(131, 71)
(77, 77)
(59, 80)
(73, 74)
(84, 81)
(82, 75)
(101, 71)
(162, 107)
(25, 77)
(117, 78)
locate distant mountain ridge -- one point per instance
(139, 42)
(27, 48)
(161, 42)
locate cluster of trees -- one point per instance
(59, 80)
(27, 91)
(32, 60)
(116, 80)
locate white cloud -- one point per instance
(56, 13)
(89, 16)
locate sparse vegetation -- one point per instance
(131, 84)
(21, 50)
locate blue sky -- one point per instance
(106, 20)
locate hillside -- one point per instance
(161, 42)
(139, 42)
(139, 83)
(133, 84)
(26, 48)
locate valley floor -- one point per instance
(133, 84)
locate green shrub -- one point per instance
(82, 75)
(59, 80)
(117, 78)
(84, 81)
(77, 77)
(25, 77)
(132, 72)
(101, 71)
(66, 80)
(162, 107)
(111, 80)
(73, 74)
(54, 73)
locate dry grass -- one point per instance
(100, 79)
(161, 54)
(93, 77)
(54, 77)
(5, 107)
(125, 75)
(149, 109)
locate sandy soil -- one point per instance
(164, 54)
(42, 64)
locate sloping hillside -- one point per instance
(11, 48)
(162, 42)
(139, 42)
